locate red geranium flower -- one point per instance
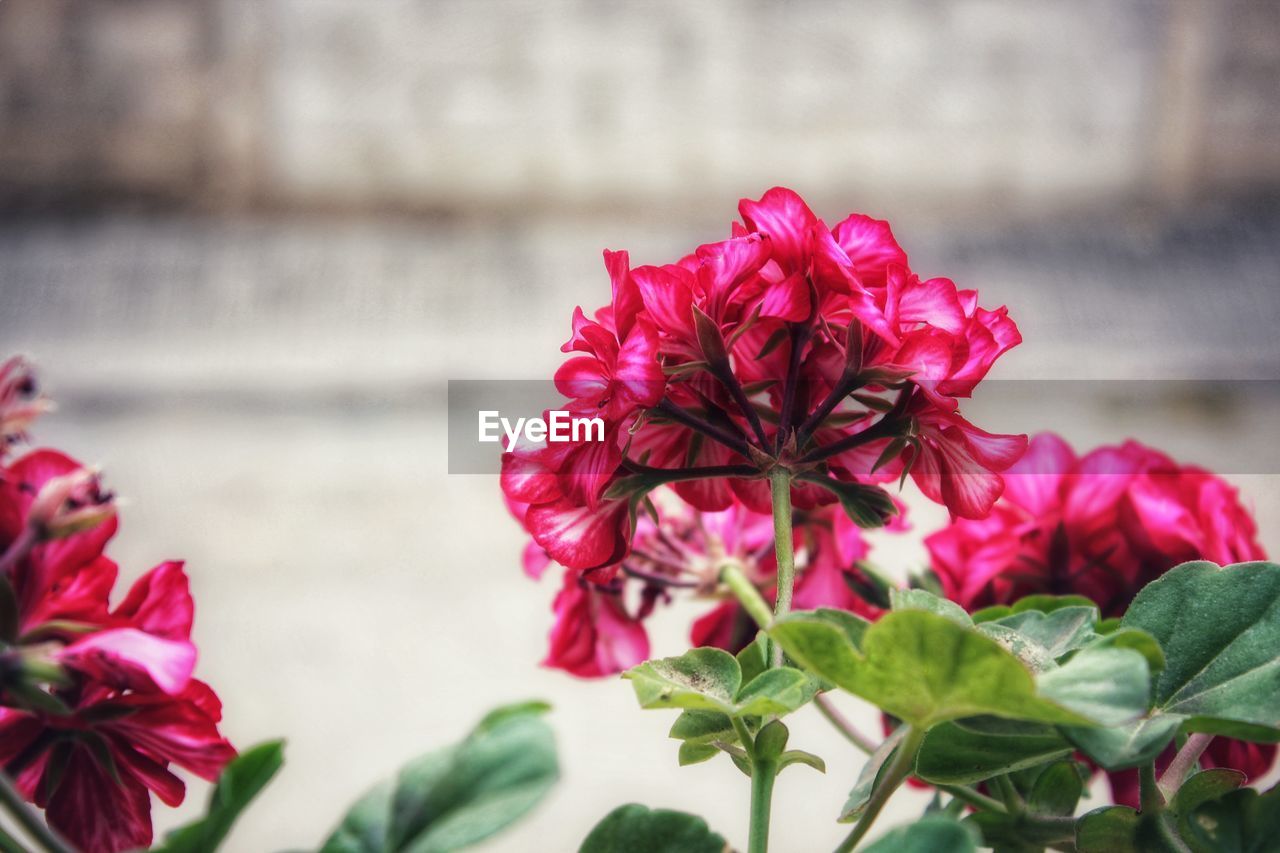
(789, 345)
(125, 706)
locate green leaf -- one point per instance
(1108, 685)
(1120, 829)
(921, 667)
(459, 795)
(702, 727)
(710, 680)
(240, 781)
(695, 753)
(705, 679)
(868, 506)
(364, 828)
(1125, 746)
(1242, 821)
(918, 599)
(1057, 790)
(774, 691)
(753, 659)
(799, 756)
(636, 829)
(1201, 788)
(954, 755)
(1219, 628)
(1058, 631)
(1137, 640)
(932, 834)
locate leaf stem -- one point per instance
(843, 725)
(1151, 801)
(1009, 794)
(747, 594)
(899, 768)
(973, 798)
(31, 823)
(1183, 764)
(784, 547)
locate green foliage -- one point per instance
(956, 755)
(709, 679)
(1219, 631)
(932, 834)
(457, 796)
(240, 781)
(926, 663)
(636, 829)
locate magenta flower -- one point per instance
(1102, 525)
(789, 345)
(123, 705)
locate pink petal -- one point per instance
(784, 217)
(127, 657)
(580, 537)
(871, 247)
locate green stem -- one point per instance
(843, 725)
(1008, 793)
(899, 768)
(762, 775)
(1151, 801)
(862, 742)
(28, 819)
(971, 797)
(9, 844)
(784, 547)
(747, 594)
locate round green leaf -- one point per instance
(636, 829)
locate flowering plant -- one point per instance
(1106, 615)
(759, 396)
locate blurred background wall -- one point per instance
(501, 104)
(249, 240)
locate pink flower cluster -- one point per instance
(791, 344)
(96, 701)
(1102, 525)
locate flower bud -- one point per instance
(70, 504)
(20, 400)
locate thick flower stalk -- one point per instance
(96, 701)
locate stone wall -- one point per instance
(453, 104)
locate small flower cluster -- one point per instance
(790, 347)
(96, 702)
